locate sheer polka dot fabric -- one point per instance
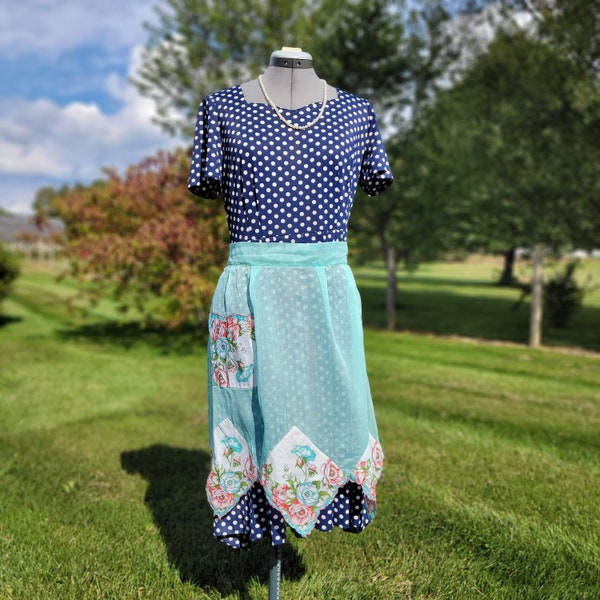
(279, 184)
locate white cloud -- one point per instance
(43, 141)
(54, 26)
(46, 139)
(27, 159)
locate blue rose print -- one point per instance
(233, 443)
(222, 347)
(230, 482)
(308, 493)
(304, 452)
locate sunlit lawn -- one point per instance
(490, 489)
(460, 298)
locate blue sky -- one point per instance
(66, 107)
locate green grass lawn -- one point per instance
(460, 298)
(490, 489)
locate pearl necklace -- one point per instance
(283, 119)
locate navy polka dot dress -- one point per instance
(285, 185)
(294, 439)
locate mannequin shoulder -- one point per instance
(251, 91)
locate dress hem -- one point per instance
(255, 519)
(297, 480)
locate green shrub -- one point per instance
(563, 296)
(9, 270)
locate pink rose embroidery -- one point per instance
(377, 456)
(361, 472)
(213, 480)
(250, 470)
(218, 329)
(220, 498)
(372, 493)
(220, 376)
(332, 474)
(300, 514)
(233, 328)
(282, 495)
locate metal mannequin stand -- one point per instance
(275, 572)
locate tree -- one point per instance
(571, 26)
(359, 46)
(9, 270)
(531, 147)
(403, 226)
(44, 198)
(144, 238)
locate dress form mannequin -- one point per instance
(290, 80)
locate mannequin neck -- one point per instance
(288, 87)
(292, 87)
(290, 81)
(290, 57)
(294, 63)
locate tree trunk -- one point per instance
(508, 275)
(535, 320)
(391, 295)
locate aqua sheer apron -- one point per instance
(289, 399)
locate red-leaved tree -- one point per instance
(145, 240)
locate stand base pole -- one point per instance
(275, 572)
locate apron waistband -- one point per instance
(287, 254)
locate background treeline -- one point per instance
(491, 112)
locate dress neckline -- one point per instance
(330, 101)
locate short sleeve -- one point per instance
(375, 173)
(206, 169)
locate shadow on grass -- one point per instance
(432, 311)
(8, 320)
(424, 280)
(441, 312)
(183, 340)
(181, 512)
(447, 313)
